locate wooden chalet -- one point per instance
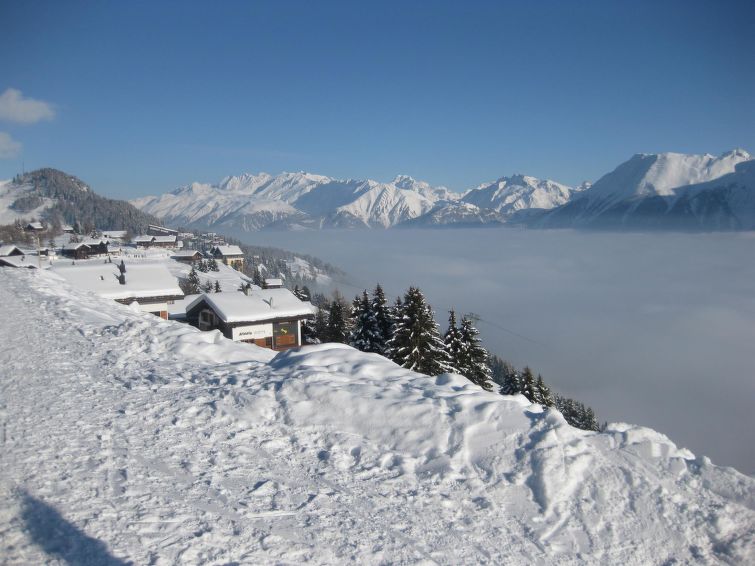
(187, 256)
(77, 250)
(34, 227)
(273, 283)
(154, 230)
(30, 262)
(150, 241)
(269, 318)
(97, 246)
(150, 286)
(232, 256)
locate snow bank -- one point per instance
(147, 441)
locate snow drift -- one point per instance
(128, 438)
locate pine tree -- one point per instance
(217, 286)
(213, 265)
(191, 286)
(544, 393)
(528, 384)
(453, 344)
(207, 287)
(257, 278)
(416, 342)
(365, 334)
(336, 330)
(474, 357)
(320, 326)
(383, 319)
(305, 294)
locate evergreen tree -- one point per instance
(320, 326)
(528, 384)
(336, 330)
(305, 294)
(453, 344)
(217, 286)
(213, 265)
(416, 342)
(207, 287)
(543, 391)
(202, 266)
(365, 334)
(474, 357)
(191, 285)
(257, 278)
(383, 318)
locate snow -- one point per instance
(142, 280)
(228, 250)
(140, 440)
(258, 305)
(9, 249)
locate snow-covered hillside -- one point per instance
(645, 190)
(510, 194)
(131, 439)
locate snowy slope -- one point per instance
(510, 194)
(10, 193)
(642, 191)
(458, 214)
(135, 439)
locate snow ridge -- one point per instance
(170, 445)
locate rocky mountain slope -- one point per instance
(666, 190)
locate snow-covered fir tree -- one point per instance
(474, 357)
(336, 327)
(383, 318)
(545, 397)
(192, 284)
(453, 344)
(365, 334)
(416, 342)
(217, 286)
(213, 265)
(528, 384)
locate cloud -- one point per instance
(9, 148)
(15, 108)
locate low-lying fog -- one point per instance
(656, 329)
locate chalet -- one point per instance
(150, 241)
(273, 283)
(154, 230)
(34, 227)
(187, 256)
(67, 228)
(77, 250)
(232, 256)
(148, 285)
(270, 318)
(97, 246)
(10, 250)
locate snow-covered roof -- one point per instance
(142, 280)
(185, 253)
(9, 249)
(66, 227)
(74, 246)
(164, 239)
(228, 250)
(267, 304)
(142, 238)
(19, 261)
(274, 282)
(94, 241)
(35, 226)
(114, 233)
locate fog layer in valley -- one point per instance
(656, 329)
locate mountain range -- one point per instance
(664, 190)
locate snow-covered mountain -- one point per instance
(134, 440)
(661, 191)
(507, 195)
(456, 213)
(253, 202)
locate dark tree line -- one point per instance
(406, 332)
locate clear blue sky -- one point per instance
(151, 95)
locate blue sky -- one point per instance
(148, 96)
